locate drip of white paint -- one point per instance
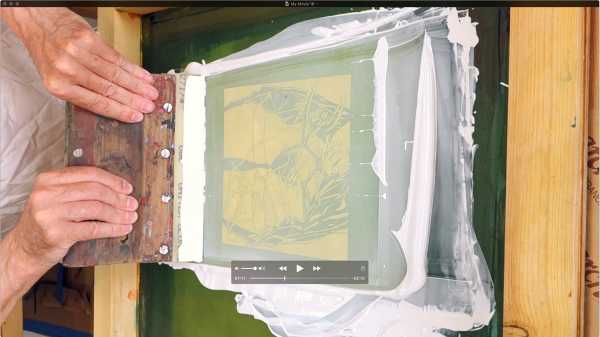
(380, 65)
(413, 235)
(461, 30)
(462, 33)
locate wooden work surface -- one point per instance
(143, 154)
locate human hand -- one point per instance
(76, 65)
(70, 205)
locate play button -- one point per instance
(299, 268)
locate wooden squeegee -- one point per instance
(143, 154)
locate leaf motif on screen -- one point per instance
(318, 170)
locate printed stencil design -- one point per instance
(286, 162)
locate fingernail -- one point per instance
(127, 228)
(148, 106)
(148, 76)
(133, 216)
(137, 117)
(152, 93)
(127, 187)
(132, 204)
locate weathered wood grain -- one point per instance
(116, 286)
(545, 226)
(132, 151)
(592, 270)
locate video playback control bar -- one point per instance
(299, 272)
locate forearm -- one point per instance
(18, 273)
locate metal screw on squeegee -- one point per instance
(78, 152)
(163, 250)
(165, 153)
(165, 198)
(168, 107)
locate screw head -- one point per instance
(163, 250)
(78, 152)
(168, 107)
(165, 198)
(165, 153)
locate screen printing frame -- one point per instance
(490, 162)
(362, 240)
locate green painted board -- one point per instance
(174, 303)
(489, 171)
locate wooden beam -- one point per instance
(545, 210)
(141, 10)
(13, 326)
(592, 271)
(121, 30)
(116, 287)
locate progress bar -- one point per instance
(299, 272)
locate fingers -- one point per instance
(92, 191)
(104, 106)
(96, 211)
(78, 174)
(79, 203)
(120, 77)
(116, 90)
(109, 54)
(113, 91)
(90, 230)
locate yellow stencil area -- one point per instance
(286, 150)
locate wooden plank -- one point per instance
(122, 31)
(115, 300)
(13, 326)
(545, 226)
(592, 270)
(155, 240)
(116, 287)
(141, 10)
(135, 152)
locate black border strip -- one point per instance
(300, 3)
